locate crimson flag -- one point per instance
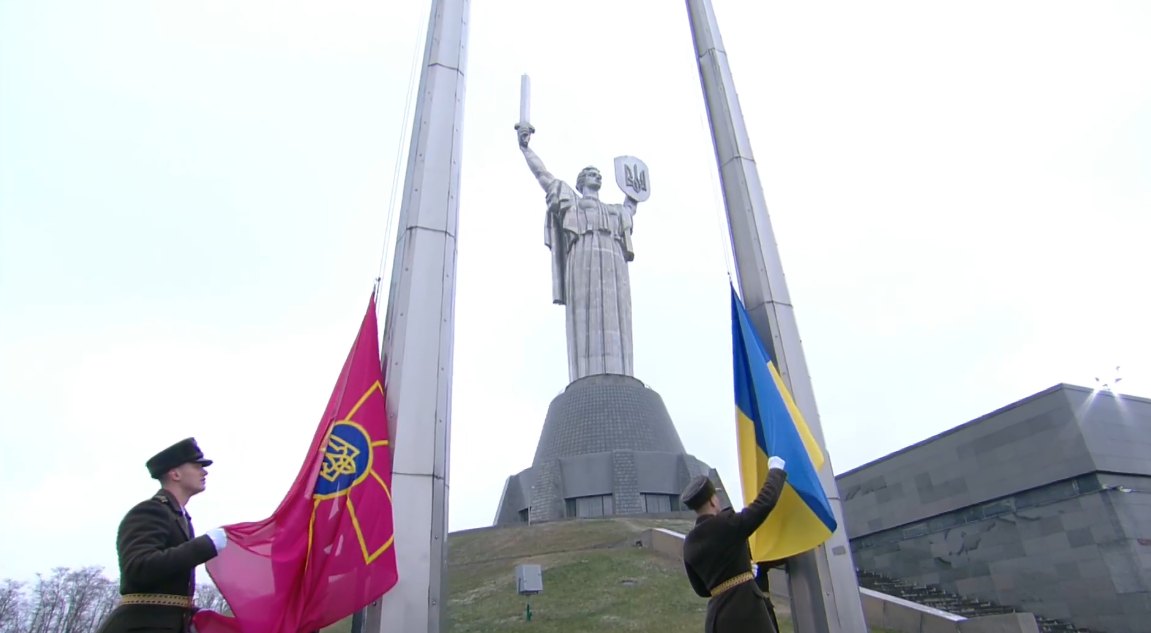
(327, 551)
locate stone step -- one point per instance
(934, 596)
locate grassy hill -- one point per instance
(595, 579)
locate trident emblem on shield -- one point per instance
(632, 176)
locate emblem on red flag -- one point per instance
(349, 461)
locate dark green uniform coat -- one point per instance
(716, 550)
(158, 553)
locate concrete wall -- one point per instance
(1025, 507)
(882, 611)
(992, 457)
(1059, 551)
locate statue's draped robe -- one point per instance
(591, 246)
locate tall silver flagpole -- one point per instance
(823, 586)
(418, 334)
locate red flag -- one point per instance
(327, 551)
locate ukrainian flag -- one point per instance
(769, 423)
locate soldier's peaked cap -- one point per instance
(178, 454)
(697, 492)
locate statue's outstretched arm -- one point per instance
(541, 173)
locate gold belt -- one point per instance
(731, 582)
(157, 600)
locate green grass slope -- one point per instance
(595, 579)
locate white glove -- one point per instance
(219, 538)
(775, 462)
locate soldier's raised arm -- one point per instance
(750, 518)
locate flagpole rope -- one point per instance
(719, 209)
(401, 143)
(343, 389)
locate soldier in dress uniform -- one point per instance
(159, 550)
(718, 559)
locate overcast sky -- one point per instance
(194, 196)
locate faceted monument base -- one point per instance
(608, 447)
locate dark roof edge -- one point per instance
(1018, 403)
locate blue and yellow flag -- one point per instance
(769, 423)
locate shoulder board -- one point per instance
(161, 499)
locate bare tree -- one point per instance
(209, 597)
(109, 597)
(48, 602)
(68, 601)
(87, 598)
(13, 607)
(73, 601)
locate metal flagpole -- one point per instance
(823, 585)
(419, 330)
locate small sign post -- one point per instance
(529, 581)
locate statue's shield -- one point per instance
(631, 175)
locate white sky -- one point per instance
(193, 199)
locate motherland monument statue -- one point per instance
(608, 445)
(591, 246)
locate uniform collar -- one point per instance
(702, 518)
(168, 499)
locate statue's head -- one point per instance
(590, 178)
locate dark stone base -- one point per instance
(608, 447)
